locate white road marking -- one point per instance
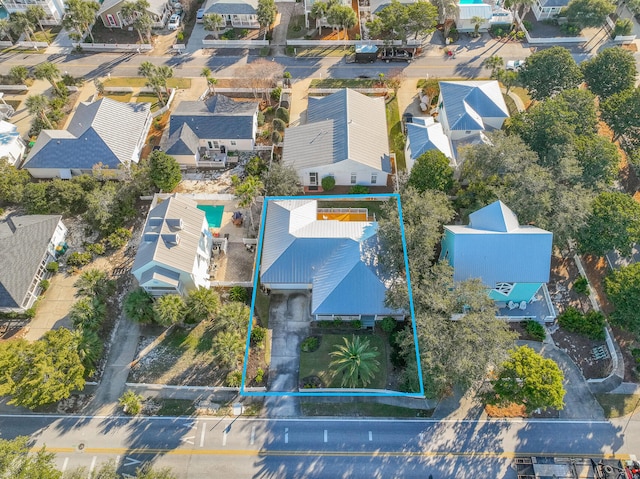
(188, 439)
(93, 466)
(253, 435)
(224, 437)
(204, 428)
(286, 435)
(370, 436)
(325, 435)
(65, 463)
(130, 461)
(191, 424)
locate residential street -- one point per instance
(308, 448)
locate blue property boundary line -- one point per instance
(346, 393)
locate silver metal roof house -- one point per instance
(345, 137)
(108, 132)
(175, 249)
(337, 260)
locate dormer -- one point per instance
(175, 223)
(171, 239)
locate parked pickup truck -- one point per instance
(397, 54)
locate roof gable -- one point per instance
(423, 135)
(183, 142)
(494, 217)
(466, 103)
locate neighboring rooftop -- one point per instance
(423, 134)
(217, 117)
(24, 241)
(345, 125)
(466, 103)
(230, 7)
(106, 131)
(155, 6)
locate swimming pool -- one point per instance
(213, 214)
(471, 2)
(3, 13)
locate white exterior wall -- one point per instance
(13, 152)
(493, 123)
(44, 173)
(342, 171)
(286, 286)
(241, 145)
(53, 8)
(200, 273)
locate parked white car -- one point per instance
(515, 65)
(200, 15)
(174, 22)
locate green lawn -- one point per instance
(394, 127)
(523, 94)
(48, 35)
(296, 27)
(362, 409)
(337, 51)
(344, 83)
(123, 97)
(139, 82)
(618, 405)
(511, 104)
(262, 308)
(317, 362)
(149, 98)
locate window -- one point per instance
(504, 288)
(468, 132)
(111, 20)
(374, 178)
(233, 143)
(353, 178)
(313, 179)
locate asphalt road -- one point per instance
(89, 66)
(308, 448)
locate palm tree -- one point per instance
(19, 73)
(227, 348)
(266, 14)
(156, 76)
(138, 306)
(356, 361)
(212, 22)
(233, 316)
(36, 14)
(135, 13)
(318, 12)
(80, 15)
(146, 69)
(90, 348)
(5, 29)
(88, 313)
(476, 22)
(493, 63)
(142, 24)
(48, 71)
(247, 192)
(20, 24)
(348, 19)
(169, 309)
(211, 82)
(201, 303)
(94, 283)
(38, 105)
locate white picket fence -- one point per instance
(337, 43)
(235, 43)
(6, 44)
(115, 47)
(34, 45)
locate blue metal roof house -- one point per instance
(512, 260)
(336, 260)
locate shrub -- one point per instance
(358, 190)
(131, 403)
(278, 124)
(357, 324)
(78, 259)
(388, 324)
(44, 285)
(276, 137)
(239, 294)
(275, 93)
(283, 114)
(527, 24)
(53, 267)
(623, 27)
(535, 330)
(590, 325)
(260, 118)
(266, 134)
(286, 75)
(259, 375)
(31, 312)
(96, 248)
(118, 238)
(258, 335)
(337, 322)
(570, 29)
(310, 344)
(328, 183)
(180, 36)
(234, 379)
(581, 285)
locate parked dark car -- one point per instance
(406, 118)
(397, 54)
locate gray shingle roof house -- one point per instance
(345, 136)
(337, 260)
(174, 253)
(108, 132)
(201, 130)
(27, 245)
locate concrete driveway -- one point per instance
(289, 323)
(53, 310)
